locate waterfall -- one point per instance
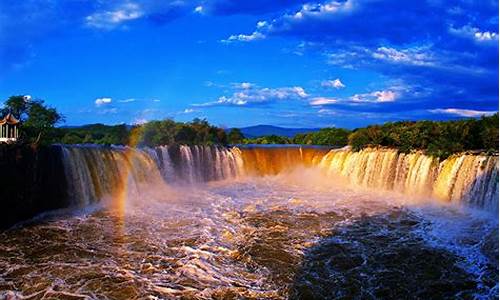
(93, 172)
(463, 179)
(260, 161)
(195, 164)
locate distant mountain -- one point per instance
(248, 132)
(92, 126)
(262, 130)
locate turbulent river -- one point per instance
(261, 223)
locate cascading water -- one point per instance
(195, 164)
(464, 179)
(208, 222)
(271, 160)
(95, 172)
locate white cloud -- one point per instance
(357, 57)
(474, 33)
(307, 11)
(385, 96)
(113, 18)
(127, 100)
(419, 56)
(486, 36)
(243, 97)
(198, 9)
(375, 97)
(337, 84)
(102, 101)
(156, 100)
(261, 24)
(246, 85)
(348, 58)
(300, 91)
(188, 111)
(462, 112)
(328, 112)
(322, 101)
(245, 38)
(321, 10)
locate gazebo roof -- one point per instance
(9, 119)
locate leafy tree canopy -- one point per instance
(37, 118)
(440, 139)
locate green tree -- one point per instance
(185, 134)
(71, 138)
(359, 139)
(220, 136)
(18, 106)
(41, 121)
(37, 119)
(329, 137)
(488, 133)
(235, 136)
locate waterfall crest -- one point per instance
(260, 161)
(195, 164)
(464, 179)
(93, 172)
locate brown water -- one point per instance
(276, 237)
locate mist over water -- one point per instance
(206, 222)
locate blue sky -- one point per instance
(239, 63)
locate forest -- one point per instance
(438, 138)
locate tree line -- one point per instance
(323, 137)
(39, 126)
(153, 133)
(437, 138)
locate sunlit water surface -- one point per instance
(264, 238)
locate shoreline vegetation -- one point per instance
(435, 138)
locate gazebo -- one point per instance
(9, 129)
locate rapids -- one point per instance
(200, 222)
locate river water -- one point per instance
(290, 235)
(262, 238)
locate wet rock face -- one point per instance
(31, 181)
